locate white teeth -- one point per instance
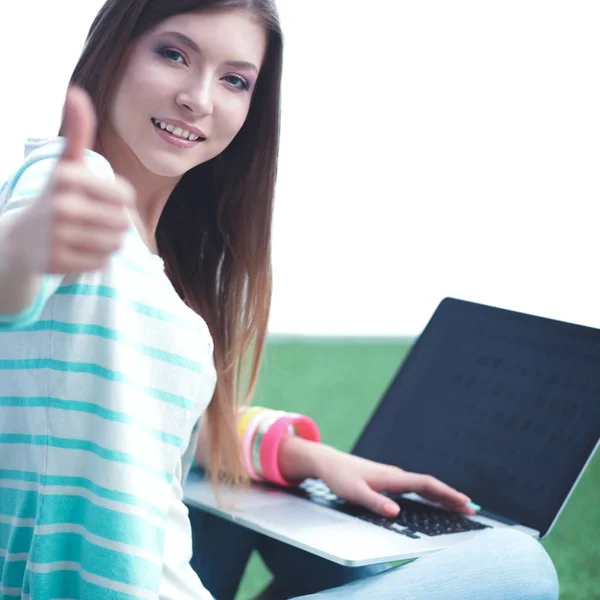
(177, 131)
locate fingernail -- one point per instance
(473, 505)
(390, 508)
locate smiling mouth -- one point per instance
(177, 132)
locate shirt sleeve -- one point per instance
(21, 190)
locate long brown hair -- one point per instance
(215, 231)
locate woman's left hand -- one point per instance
(360, 481)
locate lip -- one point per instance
(182, 125)
(176, 141)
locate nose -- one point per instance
(196, 98)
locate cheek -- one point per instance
(142, 86)
(123, 104)
(232, 120)
(116, 111)
(225, 127)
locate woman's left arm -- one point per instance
(360, 481)
(353, 478)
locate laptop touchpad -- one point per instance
(291, 516)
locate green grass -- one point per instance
(339, 383)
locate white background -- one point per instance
(430, 148)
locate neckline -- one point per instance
(156, 259)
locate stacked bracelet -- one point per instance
(261, 432)
(248, 436)
(246, 416)
(266, 423)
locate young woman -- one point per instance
(135, 284)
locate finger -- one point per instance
(433, 489)
(70, 177)
(378, 503)
(91, 240)
(74, 212)
(127, 189)
(80, 124)
(75, 262)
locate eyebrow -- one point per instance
(190, 43)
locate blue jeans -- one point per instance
(496, 565)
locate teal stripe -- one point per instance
(93, 369)
(11, 209)
(28, 163)
(69, 584)
(16, 540)
(28, 315)
(132, 265)
(22, 504)
(116, 336)
(73, 547)
(104, 522)
(104, 291)
(12, 572)
(63, 480)
(19, 503)
(86, 446)
(92, 409)
(18, 202)
(111, 564)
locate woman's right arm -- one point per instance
(18, 286)
(61, 218)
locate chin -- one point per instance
(167, 164)
(164, 169)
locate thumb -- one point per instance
(378, 503)
(80, 124)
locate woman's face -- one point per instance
(186, 89)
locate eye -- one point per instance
(172, 55)
(239, 82)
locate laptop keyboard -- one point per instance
(414, 519)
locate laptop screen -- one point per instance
(501, 405)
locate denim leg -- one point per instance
(499, 564)
(297, 572)
(221, 552)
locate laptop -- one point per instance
(501, 405)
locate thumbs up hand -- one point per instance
(80, 218)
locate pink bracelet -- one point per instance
(304, 426)
(248, 438)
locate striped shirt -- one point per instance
(103, 380)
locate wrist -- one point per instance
(278, 446)
(14, 263)
(300, 458)
(324, 454)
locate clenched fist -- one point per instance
(80, 218)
